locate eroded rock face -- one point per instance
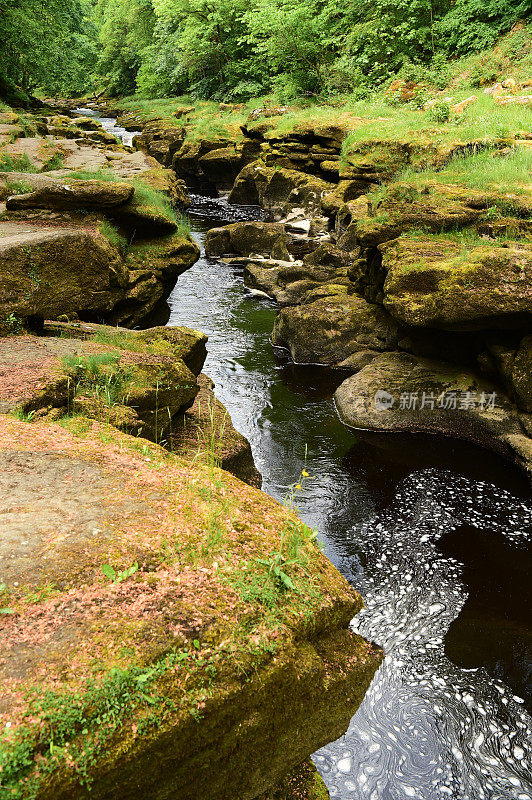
(332, 329)
(245, 238)
(399, 392)
(75, 194)
(46, 272)
(135, 381)
(279, 190)
(179, 602)
(440, 283)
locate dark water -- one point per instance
(435, 534)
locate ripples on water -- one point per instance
(427, 729)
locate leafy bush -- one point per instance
(440, 112)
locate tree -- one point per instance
(46, 44)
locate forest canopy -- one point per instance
(236, 49)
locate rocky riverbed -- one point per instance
(418, 288)
(167, 628)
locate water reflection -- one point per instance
(428, 728)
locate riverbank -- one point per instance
(162, 609)
(398, 248)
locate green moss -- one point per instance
(113, 235)
(21, 163)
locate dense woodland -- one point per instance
(236, 49)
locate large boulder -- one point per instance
(332, 329)
(137, 383)
(246, 238)
(279, 190)
(47, 272)
(440, 282)
(221, 166)
(161, 140)
(402, 393)
(161, 672)
(74, 194)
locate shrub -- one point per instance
(440, 112)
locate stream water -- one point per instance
(399, 518)
(434, 534)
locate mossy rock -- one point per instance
(137, 384)
(439, 282)
(303, 783)
(329, 330)
(49, 271)
(160, 671)
(446, 399)
(246, 238)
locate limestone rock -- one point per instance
(378, 398)
(279, 190)
(46, 272)
(128, 504)
(434, 282)
(232, 451)
(331, 329)
(160, 140)
(221, 166)
(245, 238)
(74, 194)
(137, 384)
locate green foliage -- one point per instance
(119, 577)
(16, 163)
(472, 25)
(46, 44)
(113, 235)
(18, 187)
(440, 112)
(101, 376)
(54, 162)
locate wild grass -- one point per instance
(486, 170)
(93, 175)
(100, 376)
(21, 163)
(18, 187)
(160, 203)
(113, 235)
(145, 195)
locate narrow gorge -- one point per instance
(349, 328)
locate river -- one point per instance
(435, 534)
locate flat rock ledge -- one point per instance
(168, 658)
(401, 393)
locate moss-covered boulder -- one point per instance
(170, 660)
(161, 140)
(279, 190)
(49, 271)
(221, 166)
(290, 283)
(136, 383)
(74, 194)
(206, 433)
(399, 392)
(442, 282)
(333, 328)
(246, 238)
